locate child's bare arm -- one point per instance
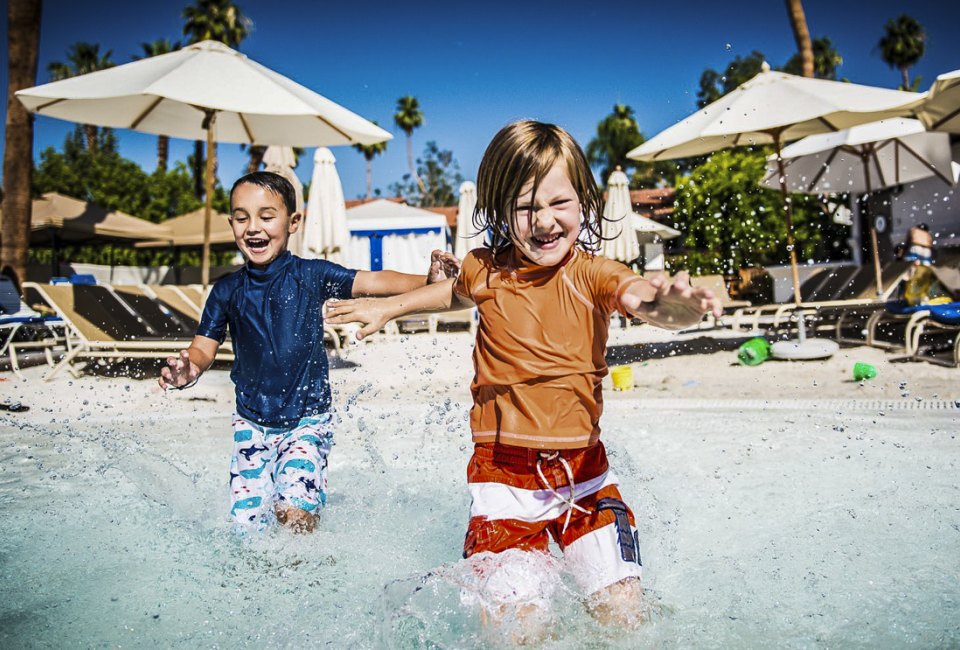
(443, 265)
(671, 306)
(184, 369)
(373, 313)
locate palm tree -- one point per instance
(216, 20)
(798, 21)
(23, 46)
(826, 60)
(902, 46)
(370, 151)
(617, 134)
(156, 48)
(409, 117)
(82, 58)
(212, 20)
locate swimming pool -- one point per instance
(788, 524)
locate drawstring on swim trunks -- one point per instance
(569, 501)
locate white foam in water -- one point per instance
(759, 528)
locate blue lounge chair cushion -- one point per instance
(946, 314)
(9, 297)
(903, 308)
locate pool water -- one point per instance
(760, 527)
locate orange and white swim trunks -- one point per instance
(522, 497)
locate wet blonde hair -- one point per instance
(527, 150)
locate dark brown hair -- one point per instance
(527, 150)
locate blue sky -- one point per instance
(477, 66)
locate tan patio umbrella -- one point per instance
(863, 159)
(187, 230)
(56, 218)
(203, 91)
(73, 220)
(941, 110)
(619, 236)
(775, 108)
(467, 236)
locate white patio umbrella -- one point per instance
(203, 91)
(863, 159)
(281, 160)
(619, 236)
(467, 236)
(325, 231)
(774, 108)
(941, 110)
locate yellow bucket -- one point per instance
(622, 377)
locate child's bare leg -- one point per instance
(517, 624)
(620, 604)
(297, 520)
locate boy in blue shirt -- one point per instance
(273, 307)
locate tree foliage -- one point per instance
(440, 174)
(108, 179)
(216, 20)
(826, 60)
(370, 151)
(902, 46)
(714, 85)
(82, 58)
(730, 222)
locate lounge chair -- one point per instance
(718, 285)
(752, 316)
(941, 319)
(16, 318)
(840, 290)
(100, 324)
(175, 300)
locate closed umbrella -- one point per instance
(325, 231)
(863, 159)
(619, 236)
(774, 108)
(281, 160)
(467, 236)
(203, 91)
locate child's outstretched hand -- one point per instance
(180, 372)
(370, 312)
(443, 265)
(675, 305)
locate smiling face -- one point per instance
(546, 226)
(260, 223)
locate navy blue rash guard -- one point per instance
(275, 316)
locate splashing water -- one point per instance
(759, 528)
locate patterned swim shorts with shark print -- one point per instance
(285, 465)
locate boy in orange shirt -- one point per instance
(539, 469)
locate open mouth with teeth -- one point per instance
(546, 240)
(257, 245)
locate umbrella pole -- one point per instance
(791, 246)
(788, 213)
(873, 228)
(208, 123)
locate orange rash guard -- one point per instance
(539, 354)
